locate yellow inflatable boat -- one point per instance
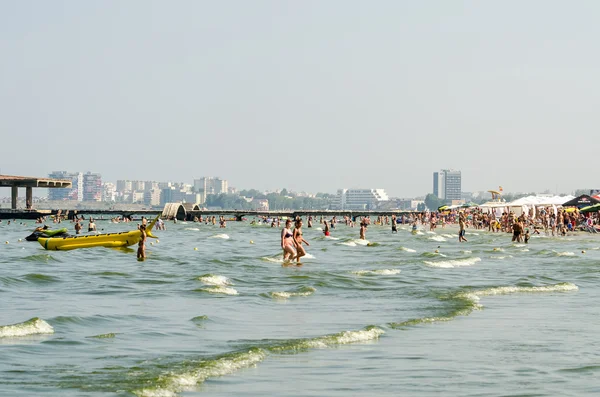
(122, 239)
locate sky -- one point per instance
(305, 95)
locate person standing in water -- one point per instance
(461, 230)
(141, 252)
(326, 229)
(363, 230)
(92, 225)
(287, 241)
(298, 240)
(77, 227)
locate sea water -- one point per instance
(215, 312)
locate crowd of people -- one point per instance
(551, 221)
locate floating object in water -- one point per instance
(251, 242)
(6, 242)
(195, 249)
(583, 251)
(437, 251)
(47, 233)
(110, 240)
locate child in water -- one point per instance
(526, 238)
(141, 252)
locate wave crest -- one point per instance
(219, 289)
(454, 262)
(32, 326)
(383, 272)
(215, 279)
(304, 291)
(194, 372)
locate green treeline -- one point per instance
(277, 201)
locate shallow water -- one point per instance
(214, 312)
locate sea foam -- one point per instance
(437, 238)
(407, 249)
(219, 289)
(454, 262)
(32, 326)
(382, 272)
(215, 279)
(304, 291)
(172, 382)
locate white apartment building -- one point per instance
(359, 199)
(109, 191)
(209, 185)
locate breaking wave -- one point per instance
(32, 326)
(454, 262)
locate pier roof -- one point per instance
(26, 181)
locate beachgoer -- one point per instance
(517, 230)
(298, 240)
(363, 230)
(461, 228)
(394, 224)
(77, 227)
(287, 241)
(141, 252)
(91, 226)
(326, 229)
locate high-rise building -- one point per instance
(75, 193)
(92, 187)
(447, 184)
(150, 185)
(152, 197)
(359, 199)
(210, 185)
(138, 185)
(124, 186)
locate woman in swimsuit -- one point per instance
(287, 241)
(298, 240)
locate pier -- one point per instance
(187, 212)
(15, 182)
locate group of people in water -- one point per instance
(557, 222)
(292, 240)
(553, 221)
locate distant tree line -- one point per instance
(277, 201)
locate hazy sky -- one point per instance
(304, 95)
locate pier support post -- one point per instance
(13, 196)
(28, 197)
